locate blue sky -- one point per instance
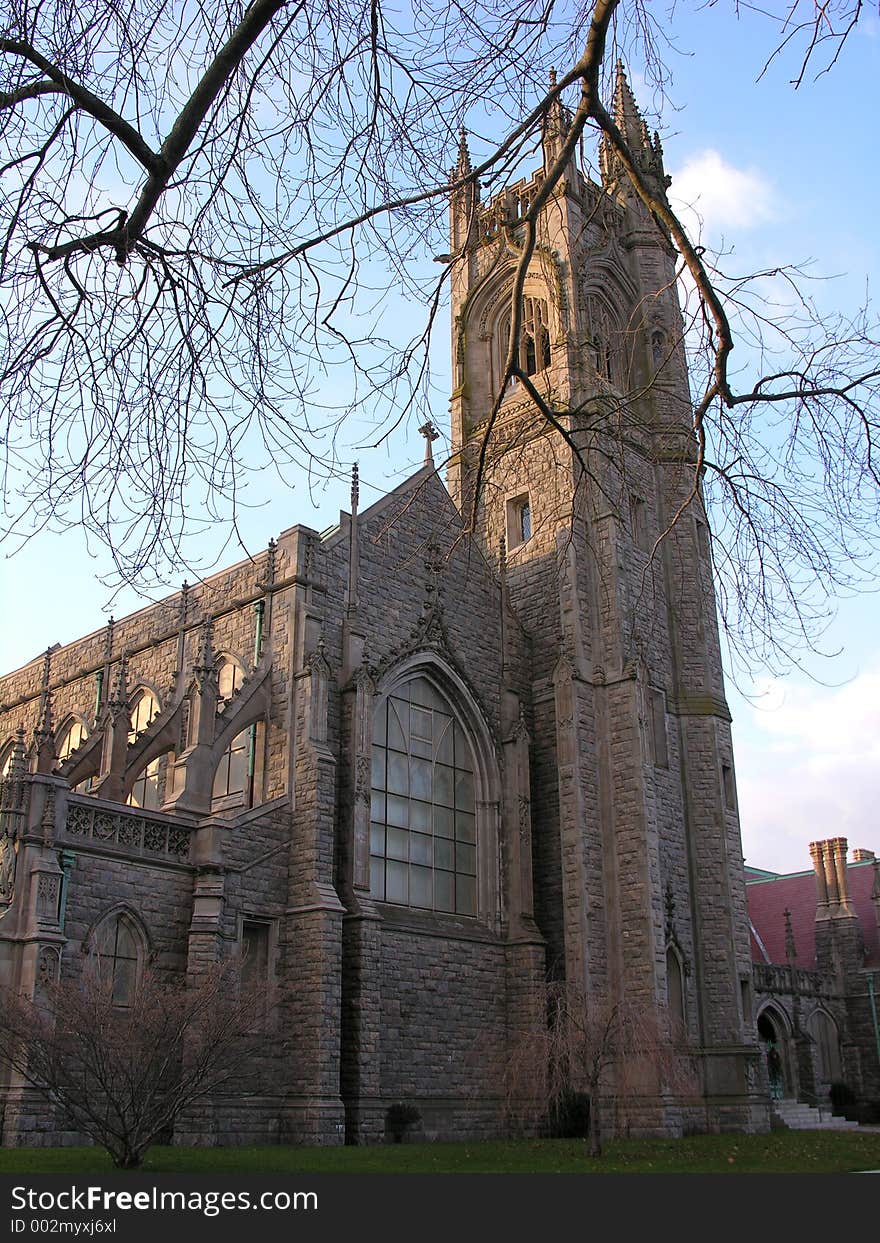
(780, 175)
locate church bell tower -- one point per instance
(589, 510)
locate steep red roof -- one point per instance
(768, 899)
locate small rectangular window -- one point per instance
(519, 520)
(638, 523)
(727, 783)
(703, 546)
(657, 700)
(255, 964)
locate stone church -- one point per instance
(473, 737)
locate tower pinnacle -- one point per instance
(646, 152)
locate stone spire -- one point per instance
(463, 165)
(555, 126)
(646, 151)
(353, 545)
(44, 741)
(463, 200)
(790, 947)
(18, 760)
(204, 664)
(118, 700)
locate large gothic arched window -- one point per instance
(423, 850)
(145, 790)
(534, 338)
(231, 778)
(70, 738)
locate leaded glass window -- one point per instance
(423, 842)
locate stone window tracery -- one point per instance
(423, 849)
(534, 353)
(602, 336)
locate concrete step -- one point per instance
(798, 1116)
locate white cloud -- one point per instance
(808, 767)
(711, 191)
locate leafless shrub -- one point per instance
(608, 1050)
(122, 1075)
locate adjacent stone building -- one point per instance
(816, 953)
(410, 768)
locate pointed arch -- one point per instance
(774, 1033)
(6, 752)
(234, 767)
(825, 1032)
(70, 735)
(435, 793)
(70, 740)
(146, 788)
(676, 996)
(118, 949)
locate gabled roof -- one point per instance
(769, 895)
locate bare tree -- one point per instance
(204, 204)
(609, 1050)
(122, 1075)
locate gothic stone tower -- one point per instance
(638, 868)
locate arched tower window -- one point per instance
(534, 340)
(145, 791)
(423, 850)
(232, 774)
(602, 338)
(118, 951)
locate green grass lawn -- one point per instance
(780, 1152)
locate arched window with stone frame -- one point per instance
(676, 1000)
(72, 733)
(6, 753)
(603, 339)
(534, 352)
(424, 840)
(147, 790)
(232, 776)
(118, 949)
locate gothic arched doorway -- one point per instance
(771, 1032)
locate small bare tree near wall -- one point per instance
(121, 1076)
(604, 1048)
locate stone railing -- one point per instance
(776, 978)
(128, 829)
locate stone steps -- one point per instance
(800, 1117)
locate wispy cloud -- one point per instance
(710, 192)
(809, 768)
